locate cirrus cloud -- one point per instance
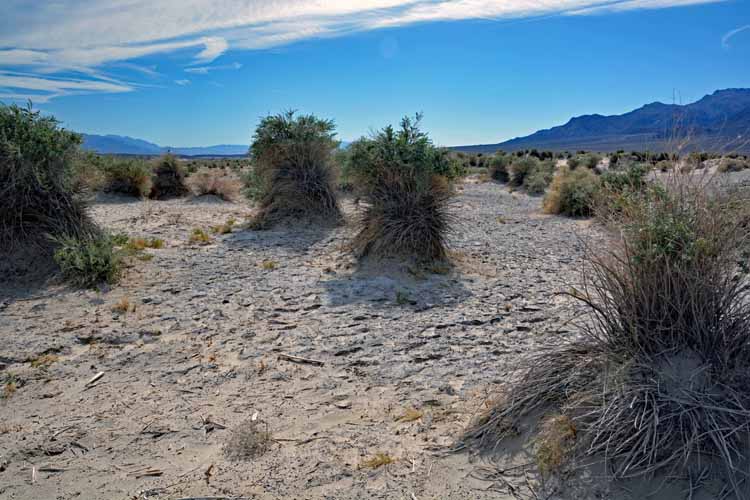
(77, 40)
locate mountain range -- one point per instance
(717, 122)
(117, 144)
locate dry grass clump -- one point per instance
(377, 461)
(406, 182)
(292, 168)
(554, 443)
(199, 236)
(658, 383)
(249, 440)
(216, 182)
(139, 244)
(168, 178)
(37, 195)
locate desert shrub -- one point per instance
(37, 191)
(292, 162)
(572, 193)
(168, 178)
(207, 181)
(658, 383)
(520, 168)
(87, 175)
(498, 168)
(405, 181)
(128, 176)
(248, 440)
(536, 182)
(87, 261)
(732, 165)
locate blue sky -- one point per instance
(200, 72)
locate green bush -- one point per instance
(37, 189)
(406, 181)
(572, 193)
(168, 178)
(537, 181)
(87, 261)
(292, 168)
(128, 176)
(520, 168)
(498, 169)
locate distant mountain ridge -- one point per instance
(719, 121)
(117, 144)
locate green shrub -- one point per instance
(498, 169)
(293, 173)
(168, 178)
(87, 174)
(37, 189)
(572, 193)
(405, 179)
(520, 168)
(537, 181)
(128, 176)
(632, 178)
(87, 261)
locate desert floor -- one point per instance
(408, 356)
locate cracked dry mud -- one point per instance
(203, 352)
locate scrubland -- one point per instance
(391, 321)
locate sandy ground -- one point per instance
(203, 352)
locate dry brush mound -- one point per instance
(658, 382)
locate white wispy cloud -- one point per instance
(182, 83)
(86, 37)
(204, 70)
(729, 34)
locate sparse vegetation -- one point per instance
(658, 381)
(292, 174)
(405, 180)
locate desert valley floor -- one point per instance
(408, 356)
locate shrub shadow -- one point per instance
(391, 282)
